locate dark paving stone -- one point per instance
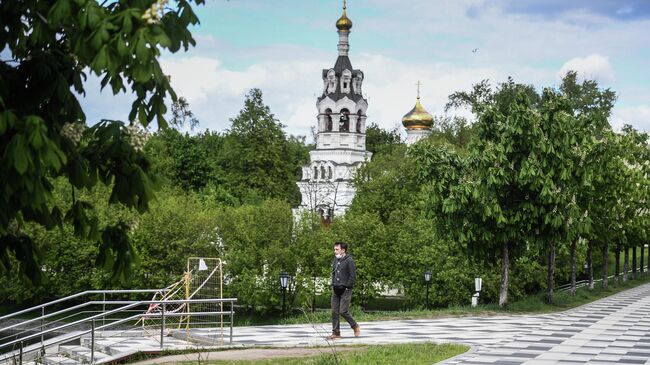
(639, 354)
(631, 361)
(584, 325)
(539, 348)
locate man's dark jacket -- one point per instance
(344, 274)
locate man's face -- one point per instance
(338, 250)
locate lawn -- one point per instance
(403, 354)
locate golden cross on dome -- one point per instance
(418, 84)
(344, 1)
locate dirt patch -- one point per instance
(246, 354)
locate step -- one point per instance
(119, 345)
(81, 353)
(102, 344)
(59, 360)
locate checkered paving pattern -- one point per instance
(475, 330)
(614, 330)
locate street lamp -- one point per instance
(284, 282)
(427, 281)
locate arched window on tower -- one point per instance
(315, 173)
(359, 114)
(322, 172)
(328, 120)
(346, 79)
(344, 122)
(329, 172)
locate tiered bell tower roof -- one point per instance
(343, 69)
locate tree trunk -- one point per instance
(626, 263)
(551, 273)
(505, 263)
(573, 267)
(590, 264)
(605, 268)
(617, 264)
(642, 253)
(634, 262)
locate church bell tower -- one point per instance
(326, 184)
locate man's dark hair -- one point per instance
(343, 246)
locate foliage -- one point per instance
(187, 161)
(182, 114)
(257, 246)
(43, 131)
(455, 130)
(260, 162)
(380, 140)
(510, 192)
(177, 225)
(385, 184)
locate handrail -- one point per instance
(581, 283)
(78, 306)
(92, 302)
(130, 304)
(87, 292)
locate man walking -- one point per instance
(343, 277)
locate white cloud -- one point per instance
(593, 67)
(290, 88)
(637, 116)
(427, 41)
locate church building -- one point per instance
(326, 184)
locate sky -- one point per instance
(281, 47)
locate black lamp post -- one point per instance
(284, 282)
(427, 281)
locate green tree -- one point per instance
(591, 106)
(177, 226)
(455, 130)
(510, 186)
(258, 159)
(385, 184)
(187, 161)
(43, 132)
(257, 244)
(379, 140)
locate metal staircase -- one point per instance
(95, 327)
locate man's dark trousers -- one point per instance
(341, 306)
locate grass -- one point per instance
(403, 354)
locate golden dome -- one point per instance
(418, 118)
(344, 24)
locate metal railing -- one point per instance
(48, 316)
(581, 283)
(126, 307)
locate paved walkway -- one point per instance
(614, 330)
